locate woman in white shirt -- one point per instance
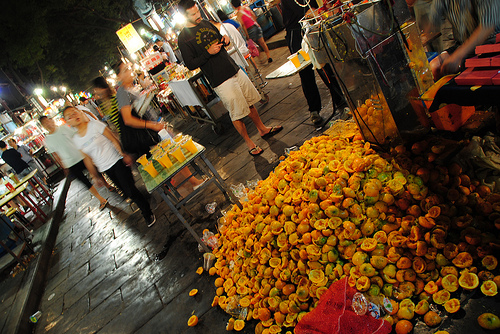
(96, 141)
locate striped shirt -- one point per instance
(466, 15)
(111, 111)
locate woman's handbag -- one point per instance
(254, 52)
(138, 140)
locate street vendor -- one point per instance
(126, 100)
(166, 48)
(293, 11)
(201, 45)
(474, 22)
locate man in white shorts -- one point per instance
(201, 45)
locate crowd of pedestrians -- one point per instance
(108, 136)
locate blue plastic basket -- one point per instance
(431, 55)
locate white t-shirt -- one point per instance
(99, 148)
(61, 142)
(85, 109)
(25, 152)
(229, 29)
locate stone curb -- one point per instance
(35, 283)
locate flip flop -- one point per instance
(103, 205)
(255, 151)
(204, 180)
(274, 130)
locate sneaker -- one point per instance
(316, 118)
(151, 220)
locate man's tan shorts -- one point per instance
(237, 95)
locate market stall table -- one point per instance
(170, 194)
(16, 252)
(32, 205)
(486, 95)
(37, 186)
(189, 93)
(288, 69)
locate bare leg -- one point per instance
(242, 130)
(184, 174)
(194, 180)
(254, 116)
(264, 47)
(254, 63)
(94, 192)
(106, 184)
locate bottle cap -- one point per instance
(373, 310)
(359, 304)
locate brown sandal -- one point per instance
(256, 151)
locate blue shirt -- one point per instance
(233, 22)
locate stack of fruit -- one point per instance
(416, 233)
(375, 120)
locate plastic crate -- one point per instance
(431, 56)
(452, 116)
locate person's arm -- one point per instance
(453, 62)
(111, 137)
(138, 123)
(125, 106)
(99, 111)
(96, 177)
(59, 162)
(194, 60)
(89, 114)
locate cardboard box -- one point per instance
(487, 48)
(496, 80)
(476, 77)
(495, 61)
(463, 76)
(477, 62)
(452, 116)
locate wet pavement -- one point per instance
(103, 276)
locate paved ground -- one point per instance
(103, 276)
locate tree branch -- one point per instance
(95, 13)
(41, 73)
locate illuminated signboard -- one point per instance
(130, 38)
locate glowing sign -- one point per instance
(130, 38)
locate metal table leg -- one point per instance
(40, 193)
(28, 244)
(44, 188)
(183, 221)
(33, 207)
(220, 182)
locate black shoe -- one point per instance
(269, 60)
(151, 220)
(316, 118)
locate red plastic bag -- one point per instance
(254, 52)
(334, 315)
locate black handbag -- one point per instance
(138, 140)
